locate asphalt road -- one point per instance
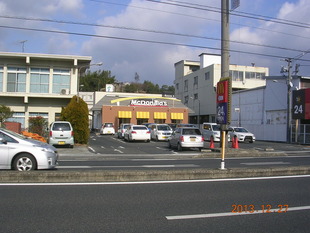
(170, 163)
(278, 205)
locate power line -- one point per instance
(142, 40)
(290, 23)
(150, 31)
(199, 17)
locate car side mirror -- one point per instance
(3, 141)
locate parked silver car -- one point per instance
(24, 154)
(122, 128)
(186, 137)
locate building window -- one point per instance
(177, 86)
(207, 76)
(41, 114)
(185, 85)
(196, 82)
(186, 99)
(254, 75)
(236, 75)
(196, 96)
(18, 117)
(16, 79)
(61, 80)
(1, 79)
(39, 80)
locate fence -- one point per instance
(301, 134)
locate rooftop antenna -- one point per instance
(23, 44)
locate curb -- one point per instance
(55, 176)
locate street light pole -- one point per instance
(78, 76)
(289, 107)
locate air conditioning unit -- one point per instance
(64, 92)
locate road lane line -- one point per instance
(229, 214)
(154, 182)
(265, 163)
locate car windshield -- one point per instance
(191, 132)
(139, 128)
(164, 127)
(61, 127)
(14, 134)
(216, 128)
(241, 130)
(108, 125)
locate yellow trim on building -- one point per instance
(124, 114)
(143, 115)
(160, 115)
(177, 116)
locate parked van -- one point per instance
(61, 134)
(107, 128)
(160, 132)
(211, 130)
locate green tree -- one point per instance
(5, 113)
(76, 112)
(38, 125)
(95, 81)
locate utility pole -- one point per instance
(224, 65)
(289, 104)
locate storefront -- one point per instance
(139, 109)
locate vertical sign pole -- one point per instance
(223, 150)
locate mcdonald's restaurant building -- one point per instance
(138, 109)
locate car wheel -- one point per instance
(179, 147)
(24, 162)
(156, 138)
(169, 145)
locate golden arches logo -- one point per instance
(221, 88)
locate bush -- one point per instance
(76, 112)
(38, 125)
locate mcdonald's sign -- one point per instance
(222, 91)
(223, 101)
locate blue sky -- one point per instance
(156, 21)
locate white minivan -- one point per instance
(160, 132)
(61, 134)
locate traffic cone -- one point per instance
(235, 144)
(211, 143)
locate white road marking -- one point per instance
(154, 182)
(118, 151)
(91, 149)
(265, 163)
(140, 166)
(229, 214)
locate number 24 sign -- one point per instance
(301, 104)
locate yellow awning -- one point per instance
(143, 115)
(160, 115)
(177, 116)
(124, 114)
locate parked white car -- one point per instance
(107, 128)
(61, 134)
(137, 133)
(161, 132)
(24, 154)
(186, 137)
(242, 134)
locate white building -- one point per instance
(195, 83)
(39, 84)
(263, 111)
